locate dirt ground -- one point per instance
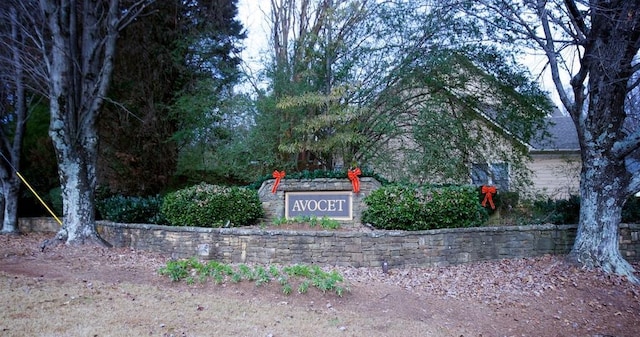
(92, 291)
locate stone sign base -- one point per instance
(274, 204)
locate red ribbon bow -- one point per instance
(278, 175)
(353, 176)
(488, 192)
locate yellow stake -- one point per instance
(40, 199)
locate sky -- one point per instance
(252, 15)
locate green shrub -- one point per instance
(510, 209)
(206, 205)
(405, 207)
(505, 201)
(631, 210)
(131, 209)
(561, 211)
(55, 200)
(567, 211)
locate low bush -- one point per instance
(131, 209)
(55, 200)
(561, 211)
(406, 207)
(631, 210)
(206, 205)
(567, 211)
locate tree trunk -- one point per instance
(80, 62)
(79, 213)
(76, 168)
(11, 191)
(604, 182)
(2, 200)
(599, 115)
(597, 240)
(12, 137)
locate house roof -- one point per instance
(562, 135)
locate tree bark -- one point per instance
(11, 191)
(603, 193)
(78, 194)
(2, 206)
(12, 139)
(79, 68)
(79, 60)
(597, 241)
(604, 178)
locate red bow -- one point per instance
(353, 176)
(488, 192)
(278, 175)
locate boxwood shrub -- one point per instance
(407, 207)
(206, 205)
(130, 209)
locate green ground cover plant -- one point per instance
(313, 221)
(298, 276)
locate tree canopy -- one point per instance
(172, 100)
(351, 77)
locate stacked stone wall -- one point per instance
(440, 247)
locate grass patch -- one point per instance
(301, 276)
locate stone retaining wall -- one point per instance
(420, 249)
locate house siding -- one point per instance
(556, 175)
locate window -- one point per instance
(496, 174)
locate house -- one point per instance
(556, 162)
(459, 127)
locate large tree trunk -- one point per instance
(78, 195)
(597, 240)
(80, 63)
(599, 115)
(77, 170)
(2, 205)
(604, 189)
(11, 191)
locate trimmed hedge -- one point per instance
(405, 207)
(206, 205)
(131, 209)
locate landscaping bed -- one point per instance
(70, 291)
